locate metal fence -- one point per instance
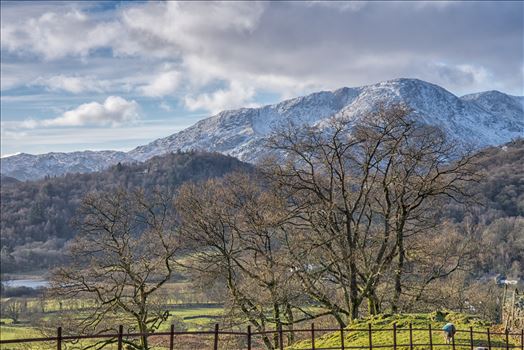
(252, 340)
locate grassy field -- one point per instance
(384, 339)
(187, 316)
(192, 318)
(201, 317)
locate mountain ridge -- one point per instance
(480, 119)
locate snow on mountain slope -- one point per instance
(239, 132)
(25, 166)
(486, 118)
(497, 102)
(481, 121)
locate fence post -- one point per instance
(215, 344)
(471, 337)
(280, 337)
(489, 340)
(453, 341)
(312, 336)
(507, 339)
(370, 334)
(410, 336)
(59, 338)
(395, 336)
(342, 345)
(430, 338)
(248, 337)
(172, 337)
(120, 336)
(522, 339)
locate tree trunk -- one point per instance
(353, 290)
(278, 324)
(290, 320)
(398, 274)
(373, 304)
(143, 338)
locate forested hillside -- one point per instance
(35, 218)
(503, 189)
(496, 221)
(36, 215)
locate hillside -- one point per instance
(384, 338)
(36, 215)
(482, 119)
(7, 180)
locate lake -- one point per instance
(31, 283)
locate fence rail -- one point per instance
(249, 336)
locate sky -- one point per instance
(115, 75)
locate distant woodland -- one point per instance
(36, 215)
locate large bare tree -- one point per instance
(123, 254)
(237, 227)
(364, 187)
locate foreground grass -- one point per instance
(383, 336)
(188, 318)
(203, 318)
(10, 331)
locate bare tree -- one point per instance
(13, 308)
(123, 254)
(237, 228)
(363, 188)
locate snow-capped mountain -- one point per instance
(482, 119)
(25, 166)
(486, 118)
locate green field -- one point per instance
(192, 318)
(203, 317)
(383, 336)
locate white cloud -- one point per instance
(73, 84)
(54, 34)
(280, 48)
(250, 43)
(167, 28)
(235, 96)
(114, 111)
(163, 84)
(460, 74)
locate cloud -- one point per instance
(73, 84)
(163, 84)
(462, 74)
(56, 34)
(114, 111)
(167, 28)
(235, 96)
(307, 46)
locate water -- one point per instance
(31, 283)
